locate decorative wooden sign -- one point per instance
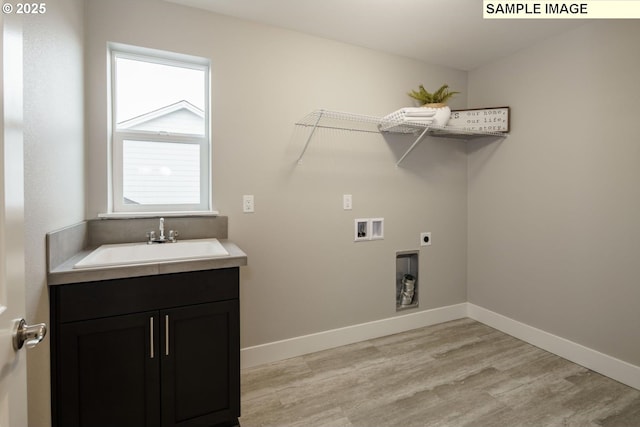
(481, 119)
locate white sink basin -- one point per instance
(142, 253)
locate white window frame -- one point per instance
(117, 205)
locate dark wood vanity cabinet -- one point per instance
(149, 351)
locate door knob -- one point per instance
(30, 335)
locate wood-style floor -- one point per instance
(459, 373)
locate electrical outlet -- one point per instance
(425, 239)
(248, 204)
(347, 202)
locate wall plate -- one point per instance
(347, 202)
(425, 238)
(248, 204)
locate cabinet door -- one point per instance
(200, 364)
(108, 372)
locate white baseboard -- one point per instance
(285, 349)
(616, 369)
(609, 366)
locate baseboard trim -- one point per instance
(616, 369)
(297, 346)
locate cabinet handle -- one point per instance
(151, 337)
(166, 335)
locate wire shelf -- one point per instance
(327, 119)
(339, 120)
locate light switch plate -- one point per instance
(347, 202)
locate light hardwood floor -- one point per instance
(459, 373)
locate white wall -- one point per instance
(554, 210)
(305, 273)
(54, 163)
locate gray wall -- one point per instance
(54, 162)
(552, 236)
(554, 210)
(305, 273)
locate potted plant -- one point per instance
(436, 101)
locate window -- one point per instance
(160, 131)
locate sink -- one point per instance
(142, 253)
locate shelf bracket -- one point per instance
(414, 145)
(315, 126)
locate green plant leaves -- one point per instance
(439, 96)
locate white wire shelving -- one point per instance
(327, 119)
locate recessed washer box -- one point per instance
(361, 231)
(368, 229)
(377, 228)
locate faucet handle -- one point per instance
(173, 235)
(151, 236)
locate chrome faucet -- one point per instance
(151, 235)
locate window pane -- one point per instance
(159, 97)
(161, 173)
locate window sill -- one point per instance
(122, 215)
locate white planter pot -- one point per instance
(443, 112)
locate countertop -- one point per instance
(66, 274)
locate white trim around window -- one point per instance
(197, 143)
